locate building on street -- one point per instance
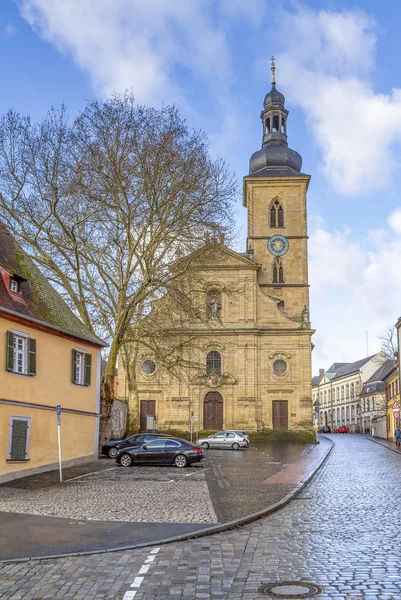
(392, 381)
(253, 351)
(48, 358)
(338, 392)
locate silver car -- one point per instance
(224, 439)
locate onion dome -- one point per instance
(275, 157)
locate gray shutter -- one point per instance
(74, 366)
(19, 436)
(88, 368)
(10, 351)
(31, 357)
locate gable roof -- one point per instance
(354, 367)
(335, 366)
(37, 300)
(382, 371)
(376, 382)
(209, 257)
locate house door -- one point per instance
(148, 407)
(280, 414)
(213, 411)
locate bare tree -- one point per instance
(102, 205)
(389, 343)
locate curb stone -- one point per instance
(220, 528)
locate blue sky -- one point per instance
(337, 64)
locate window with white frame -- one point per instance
(81, 367)
(14, 285)
(19, 438)
(21, 353)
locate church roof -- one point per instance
(277, 172)
(275, 158)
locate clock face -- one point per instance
(278, 245)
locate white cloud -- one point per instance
(134, 44)
(356, 287)
(327, 68)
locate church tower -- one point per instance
(275, 196)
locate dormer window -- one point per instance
(14, 286)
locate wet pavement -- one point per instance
(239, 481)
(173, 502)
(341, 533)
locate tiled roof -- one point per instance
(353, 367)
(335, 366)
(373, 388)
(37, 299)
(382, 371)
(315, 380)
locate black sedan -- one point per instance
(170, 451)
(111, 448)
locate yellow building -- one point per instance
(48, 358)
(393, 401)
(252, 360)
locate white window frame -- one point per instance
(10, 433)
(14, 285)
(21, 335)
(81, 354)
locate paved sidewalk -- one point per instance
(386, 443)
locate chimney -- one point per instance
(321, 371)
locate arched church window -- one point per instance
(276, 214)
(278, 271)
(276, 123)
(280, 215)
(213, 362)
(282, 125)
(268, 125)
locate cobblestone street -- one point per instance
(118, 494)
(339, 533)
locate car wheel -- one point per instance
(126, 460)
(235, 446)
(113, 452)
(180, 461)
(205, 445)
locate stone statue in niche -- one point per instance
(214, 308)
(305, 315)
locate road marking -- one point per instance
(143, 570)
(189, 474)
(137, 581)
(93, 473)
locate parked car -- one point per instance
(325, 429)
(167, 451)
(224, 439)
(111, 448)
(342, 429)
(243, 433)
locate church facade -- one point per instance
(253, 356)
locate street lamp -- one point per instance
(316, 406)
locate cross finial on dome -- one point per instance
(273, 69)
